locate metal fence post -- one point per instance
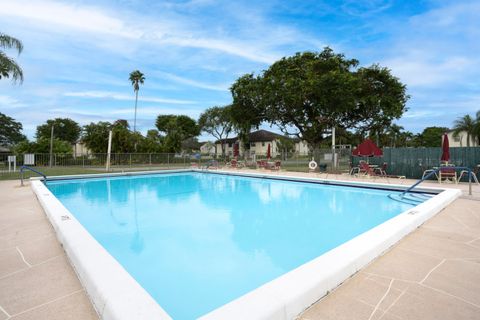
(168, 160)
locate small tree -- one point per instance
(95, 136)
(10, 131)
(217, 121)
(42, 145)
(65, 129)
(431, 137)
(176, 129)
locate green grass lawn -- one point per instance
(58, 171)
(63, 171)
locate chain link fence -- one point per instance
(409, 162)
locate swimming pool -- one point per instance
(196, 241)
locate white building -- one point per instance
(258, 144)
(208, 148)
(461, 140)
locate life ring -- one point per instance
(312, 165)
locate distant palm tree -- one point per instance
(477, 127)
(137, 78)
(465, 124)
(8, 66)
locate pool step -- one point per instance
(412, 198)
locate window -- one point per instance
(252, 144)
(230, 145)
(263, 144)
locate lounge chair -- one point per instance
(274, 166)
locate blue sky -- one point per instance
(78, 53)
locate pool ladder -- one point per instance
(403, 198)
(23, 168)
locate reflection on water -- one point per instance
(208, 238)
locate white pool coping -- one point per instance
(116, 295)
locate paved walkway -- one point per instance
(434, 273)
(36, 279)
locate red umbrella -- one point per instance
(235, 150)
(268, 151)
(367, 149)
(445, 149)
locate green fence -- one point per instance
(411, 162)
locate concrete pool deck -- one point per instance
(434, 273)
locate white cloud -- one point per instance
(121, 96)
(65, 18)
(193, 83)
(422, 70)
(90, 19)
(9, 102)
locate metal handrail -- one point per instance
(23, 168)
(435, 171)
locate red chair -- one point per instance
(365, 169)
(447, 173)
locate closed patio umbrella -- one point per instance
(268, 151)
(445, 149)
(235, 150)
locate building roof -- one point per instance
(256, 136)
(4, 149)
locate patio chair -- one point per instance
(212, 164)
(275, 166)
(365, 169)
(261, 163)
(233, 164)
(382, 171)
(447, 173)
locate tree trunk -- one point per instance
(135, 117)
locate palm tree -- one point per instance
(8, 66)
(137, 78)
(464, 124)
(477, 127)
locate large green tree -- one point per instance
(136, 78)
(65, 129)
(309, 93)
(10, 131)
(8, 66)
(217, 121)
(177, 128)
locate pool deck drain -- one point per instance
(434, 273)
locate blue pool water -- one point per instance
(196, 241)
